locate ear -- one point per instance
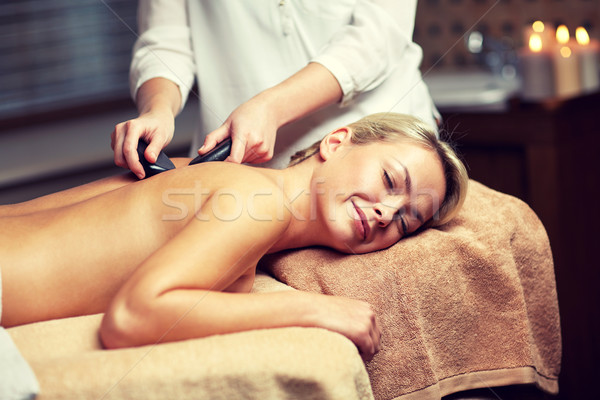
(333, 141)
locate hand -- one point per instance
(156, 128)
(253, 129)
(352, 318)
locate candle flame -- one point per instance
(538, 26)
(562, 34)
(582, 36)
(535, 42)
(565, 52)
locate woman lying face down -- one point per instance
(174, 256)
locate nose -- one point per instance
(384, 214)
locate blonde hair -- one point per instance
(392, 127)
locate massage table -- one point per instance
(466, 309)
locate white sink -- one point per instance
(470, 90)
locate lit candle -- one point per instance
(588, 52)
(566, 66)
(543, 30)
(536, 70)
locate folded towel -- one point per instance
(468, 305)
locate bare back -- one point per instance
(72, 260)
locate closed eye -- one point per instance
(388, 180)
(399, 216)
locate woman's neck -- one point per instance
(305, 228)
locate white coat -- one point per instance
(238, 48)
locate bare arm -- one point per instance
(186, 313)
(161, 75)
(158, 101)
(310, 89)
(178, 293)
(158, 94)
(253, 125)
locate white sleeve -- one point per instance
(163, 49)
(364, 53)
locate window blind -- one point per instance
(57, 54)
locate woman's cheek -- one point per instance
(393, 236)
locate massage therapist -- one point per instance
(271, 74)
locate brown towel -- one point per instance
(286, 363)
(471, 304)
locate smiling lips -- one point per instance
(361, 224)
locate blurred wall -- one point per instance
(61, 54)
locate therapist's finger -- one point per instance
(130, 151)
(238, 149)
(117, 146)
(214, 138)
(112, 138)
(153, 149)
(260, 153)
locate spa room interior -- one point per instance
(508, 310)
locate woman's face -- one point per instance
(375, 194)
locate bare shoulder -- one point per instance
(239, 191)
(231, 175)
(236, 203)
(231, 188)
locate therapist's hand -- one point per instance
(253, 125)
(158, 101)
(253, 129)
(154, 127)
